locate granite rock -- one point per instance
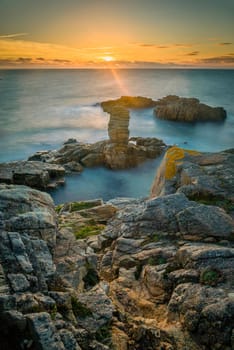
(187, 109)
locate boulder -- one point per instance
(43, 332)
(187, 109)
(204, 311)
(205, 221)
(35, 174)
(206, 178)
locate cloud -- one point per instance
(10, 36)
(155, 46)
(193, 53)
(164, 46)
(24, 59)
(6, 62)
(224, 44)
(143, 64)
(225, 59)
(17, 62)
(58, 60)
(183, 45)
(147, 45)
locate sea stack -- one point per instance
(121, 152)
(118, 126)
(116, 152)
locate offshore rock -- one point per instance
(187, 109)
(119, 152)
(128, 102)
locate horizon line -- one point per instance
(111, 68)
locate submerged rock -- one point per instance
(187, 109)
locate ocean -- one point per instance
(40, 109)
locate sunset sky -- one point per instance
(116, 33)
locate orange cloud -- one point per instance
(224, 44)
(193, 53)
(12, 36)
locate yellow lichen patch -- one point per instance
(171, 159)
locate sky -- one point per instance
(116, 33)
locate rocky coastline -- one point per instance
(127, 274)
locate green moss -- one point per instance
(77, 206)
(53, 312)
(162, 260)
(88, 230)
(58, 208)
(103, 335)
(79, 309)
(37, 308)
(156, 260)
(156, 237)
(210, 276)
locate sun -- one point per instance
(108, 58)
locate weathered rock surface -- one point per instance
(34, 174)
(118, 126)
(127, 274)
(120, 154)
(42, 272)
(166, 280)
(128, 102)
(207, 178)
(187, 109)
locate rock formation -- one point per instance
(127, 274)
(118, 126)
(187, 109)
(75, 156)
(207, 177)
(119, 152)
(128, 102)
(34, 174)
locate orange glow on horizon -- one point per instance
(15, 53)
(108, 58)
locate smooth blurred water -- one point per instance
(40, 109)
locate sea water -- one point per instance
(40, 109)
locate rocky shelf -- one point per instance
(127, 274)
